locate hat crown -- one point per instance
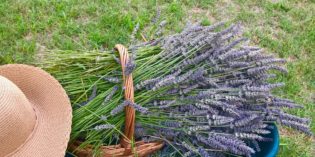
(17, 117)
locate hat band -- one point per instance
(30, 136)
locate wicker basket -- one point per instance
(124, 149)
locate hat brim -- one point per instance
(53, 108)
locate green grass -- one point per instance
(285, 28)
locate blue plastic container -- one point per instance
(69, 155)
(268, 149)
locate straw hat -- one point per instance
(35, 113)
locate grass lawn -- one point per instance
(285, 28)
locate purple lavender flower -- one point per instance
(134, 32)
(163, 102)
(163, 23)
(157, 15)
(160, 28)
(188, 147)
(238, 82)
(245, 120)
(232, 55)
(261, 131)
(250, 127)
(198, 75)
(238, 64)
(168, 133)
(203, 152)
(111, 94)
(195, 60)
(139, 108)
(130, 66)
(270, 61)
(256, 145)
(112, 79)
(147, 82)
(257, 70)
(188, 154)
(256, 89)
(250, 95)
(199, 112)
(278, 68)
(119, 108)
(139, 131)
(210, 141)
(173, 124)
(250, 136)
(235, 145)
(93, 94)
(220, 121)
(282, 100)
(301, 127)
(104, 126)
(226, 31)
(285, 116)
(189, 89)
(233, 44)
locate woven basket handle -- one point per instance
(129, 95)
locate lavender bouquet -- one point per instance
(204, 92)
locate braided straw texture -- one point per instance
(124, 149)
(51, 134)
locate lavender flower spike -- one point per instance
(203, 152)
(130, 66)
(139, 108)
(104, 126)
(93, 94)
(111, 94)
(112, 79)
(119, 108)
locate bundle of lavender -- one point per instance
(204, 91)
